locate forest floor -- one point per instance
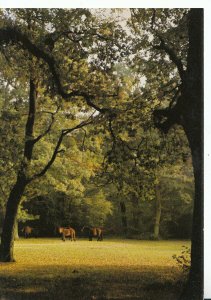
(83, 270)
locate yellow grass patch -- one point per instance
(120, 265)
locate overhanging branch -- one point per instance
(172, 55)
(13, 35)
(57, 149)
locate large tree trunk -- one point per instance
(194, 289)
(7, 238)
(8, 233)
(157, 213)
(193, 126)
(188, 112)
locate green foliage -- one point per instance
(23, 215)
(95, 208)
(184, 260)
(120, 157)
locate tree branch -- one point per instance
(49, 127)
(172, 55)
(29, 129)
(13, 35)
(64, 132)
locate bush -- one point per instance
(184, 259)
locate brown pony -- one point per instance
(67, 232)
(27, 230)
(93, 232)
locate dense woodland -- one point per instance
(86, 100)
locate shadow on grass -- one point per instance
(66, 283)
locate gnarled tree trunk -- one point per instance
(7, 238)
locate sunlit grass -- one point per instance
(103, 269)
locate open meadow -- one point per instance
(111, 269)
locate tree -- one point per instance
(179, 43)
(24, 173)
(23, 177)
(74, 73)
(188, 112)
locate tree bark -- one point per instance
(16, 235)
(194, 288)
(193, 126)
(157, 213)
(7, 238)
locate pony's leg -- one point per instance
(63, 236)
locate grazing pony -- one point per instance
(27, 230)
(93, 232)
(67, 232)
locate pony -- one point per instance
(67, 232)
(93, 232)
(27, 230)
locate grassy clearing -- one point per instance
(112, 269)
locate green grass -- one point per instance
(112, 269)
